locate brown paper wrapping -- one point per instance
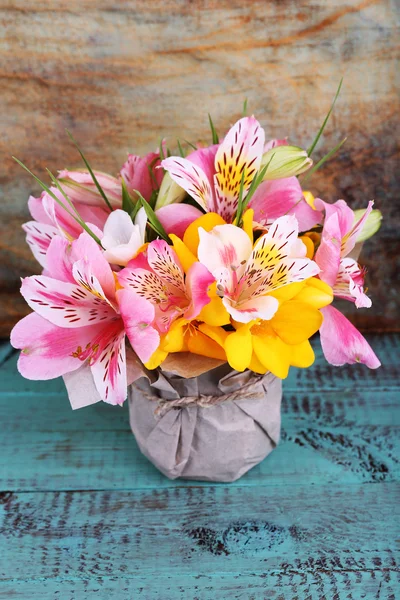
(214, 443)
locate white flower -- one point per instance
(122, 238)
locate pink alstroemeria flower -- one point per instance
(245, 274)
(50, 219)
(159, 278)
(342, 343)
(212, 176)
(339, 236)
(81, 189)
(141, 173)
(80, 319)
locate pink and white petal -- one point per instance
(38, 237)
(87, 249)
(136, 173)
(239, 153)
(342, 343)
(37, 210)
(198, 281)
(83, 274)
(138, 315)
(205, 159)
(47, 350)
(67, 225)
(60, 258)
(141, 223)
(349, 240)
(164, 261)
(64, 304)
(340, 208)
(192, 179)
(109, 370)
(139, 262)
(349, 284)
(263, 307)
(176, 218)
(226, 247)
(144, 283)
(80, 187)
(327, 256)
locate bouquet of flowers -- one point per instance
(195, 280)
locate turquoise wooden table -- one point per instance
(84, 515)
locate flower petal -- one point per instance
(327, 256)
(64, 304)
(142, 174)
(47, 350)
(302, 355)
(263, 307)
(342, 343)
(165, 264)
(138, 315)
(239, 349)
(279, 197)
(192, 179)
(296, 321)
(225, 247)
(206, 222)
(176, 218)
(109, 370)
(240, 153)
(198, 281)
(38, 237)
(273, 354)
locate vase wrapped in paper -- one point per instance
(190, 285)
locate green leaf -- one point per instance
(320, 132)
(215, 138)
(322, 161)
(161, 151)
(240, 205)
(190, 144)
(152, 218)
(128, 205)
(101, 191)
(48, 190)
(181, 150)
(244, 111)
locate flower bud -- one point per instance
(285, 161)
(80, 187)
(170, 192)
(371, 225)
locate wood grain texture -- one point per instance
(84, 516)
(122, 75)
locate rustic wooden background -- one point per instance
(120, 75)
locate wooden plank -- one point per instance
(133, 72)
(292, 541)
(343, 430)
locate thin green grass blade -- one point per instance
(127, 203)
(240, 206)
(244, 111)
(320, 132)
(190, 144)
(101, 191)
(152, 218)
(215, 138)
(323, 160)
(181, 150)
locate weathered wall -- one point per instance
(120, 75)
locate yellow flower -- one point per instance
(281, 342)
